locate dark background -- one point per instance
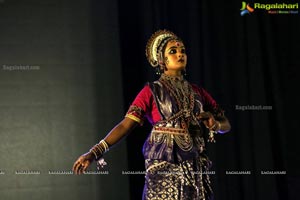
(91, 64)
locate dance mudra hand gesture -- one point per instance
(209, 120)
(97, 151)
(83, 162)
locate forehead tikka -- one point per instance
(177, 41)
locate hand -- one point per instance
(208, 119)
(83, 162)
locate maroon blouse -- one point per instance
(144, 105)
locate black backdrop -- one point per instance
(91, 64)
(240, 60)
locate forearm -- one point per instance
(120, 131)
(113, 137)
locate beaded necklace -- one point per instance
(183, 94)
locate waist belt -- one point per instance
(170, 130)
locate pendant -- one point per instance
(211, 137)
(101, 163)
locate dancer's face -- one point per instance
(175, 57)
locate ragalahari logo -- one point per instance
(246, 9)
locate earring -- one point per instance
(158, 71)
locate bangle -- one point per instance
(99, 149)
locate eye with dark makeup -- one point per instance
(172, 51)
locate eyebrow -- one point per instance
(174, 47)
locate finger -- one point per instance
(74, 165)
(85, 166)
(80, 168)
(77, 168)
(204, 115)
(77, 165)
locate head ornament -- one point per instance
(156, 44)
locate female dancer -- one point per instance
(181, 114)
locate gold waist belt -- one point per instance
(170, 130)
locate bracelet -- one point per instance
(99, 149)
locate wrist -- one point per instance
(98, 150)
(91, 156)
(216, 127)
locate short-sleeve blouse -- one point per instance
(144, 105)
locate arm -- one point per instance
(120, 131)
(221, 125)
(112, 138)
(134, 117)
(218, 124)
(215, 121)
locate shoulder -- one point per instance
(199, 89)
(143, 97)
(146, 89)
(196, 88)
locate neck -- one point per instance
(171, 78)
(173, 73)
